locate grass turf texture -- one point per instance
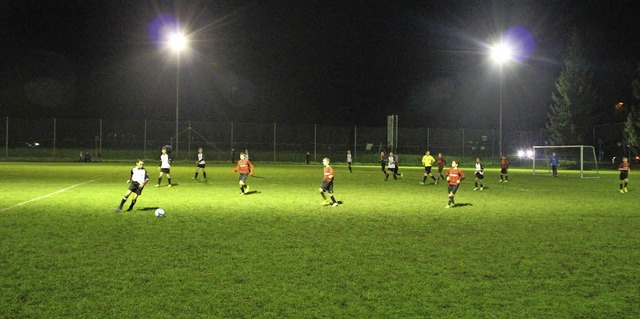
(534, 247)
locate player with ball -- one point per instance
(137, 179)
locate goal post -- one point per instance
(582, 157)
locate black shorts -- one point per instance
(134, 188)
(427, 170)
(200, 165)
(624, 175)
(165, 170)
(479, 176)
(452, 189)
(243, 177)
(504, 171)
(327, 187)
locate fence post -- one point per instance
(231, 134)
(355, 144)
(99, 155)
(428, 138)
(6, 140)
(274, 142)
(462, 142)
(315, 142)
(144, 152)
(54, 138)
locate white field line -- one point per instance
(48, 195)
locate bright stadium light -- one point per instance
(177, 41)
(501, 53)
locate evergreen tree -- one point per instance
(571, 111)
(632, 122)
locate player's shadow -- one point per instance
(463, 204)
(148, 208)
(251, 192)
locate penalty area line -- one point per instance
(48, 195)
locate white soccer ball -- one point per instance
(159, 212)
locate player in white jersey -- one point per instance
(349, 160)
(479, 174)
(392, 166)
(200, 164)
(137, 179)
(165, 167)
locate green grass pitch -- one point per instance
(536, 247)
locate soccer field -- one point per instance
(536, 247)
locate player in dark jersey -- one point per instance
(245, 167)
(454, 177)
(200, 164)
(327, 183)
(441, 163)
(504, 170)
(624, 169)
(383, 165)
(138, 178)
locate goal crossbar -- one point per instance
(582, 154)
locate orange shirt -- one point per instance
(504, 163)
(328, 173)
(244, 167)
(454, 174)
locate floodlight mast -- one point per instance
(501, 53)
(177, 42)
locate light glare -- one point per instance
(177, 41)
(501, 53)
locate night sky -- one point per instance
(331, 62)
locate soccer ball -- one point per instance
(159, 212)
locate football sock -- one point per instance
(620, 185)
(333, 199)
(424, 179)
(159, 180)
(169, 180)
(133, 202)
(433, 177)
(204, 174)
(323, 195)
(124, 199)
(196, 177)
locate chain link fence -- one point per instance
(66, 139)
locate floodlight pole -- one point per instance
(177, 98)
(501, 102)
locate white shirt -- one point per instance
(479, 168)
(349, 157)
(139, 175)
(164, 158)
(201, 158)
(392, 161)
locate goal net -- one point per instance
(571, 157)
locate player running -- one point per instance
(441, 163)
(349, 160)
(393, 166)
(245, 168)
(624, 169)
(427, 161)
(327, 183)
(383, 165)
(454, 177)
(479, 174)
(138, 179)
